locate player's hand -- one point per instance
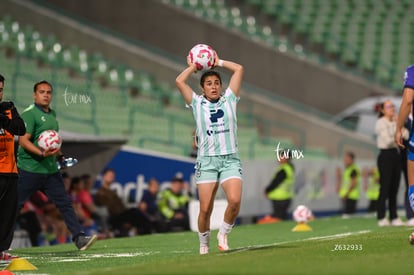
(216, 59)
(191, 65)
(50, 152)
(398, 138)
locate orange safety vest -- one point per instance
(7, 157)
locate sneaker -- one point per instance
(84, 242)
(6, 257)
(397, 222)
(383, 222)
(203, 249)
(222, 242)
(410, 222)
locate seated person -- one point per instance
(148, 206)
(125, 221)
(173, 205)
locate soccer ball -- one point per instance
(302, 214)
(202, 56)
(49, 139)
(411, 238)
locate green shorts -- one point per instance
(217, 168)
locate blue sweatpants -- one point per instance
(52, 185)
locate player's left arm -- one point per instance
(237, 76)
(181, 82)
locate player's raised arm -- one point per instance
(236, 69)
(181, 82)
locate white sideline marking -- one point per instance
(88, 257)
(337, 236)
(321, 238)
(119, 255)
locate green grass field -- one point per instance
(335, 246)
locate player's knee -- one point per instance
(234, 201)
(233, 205)
(204, 213)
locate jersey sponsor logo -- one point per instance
(215, 115)
(210, 132)
(43, 118)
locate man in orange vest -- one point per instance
(10, 124)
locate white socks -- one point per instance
(204, 237)
(225, 228)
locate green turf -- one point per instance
(335, 246)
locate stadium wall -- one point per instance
(313, 132)
(315, 180)
(174, 31)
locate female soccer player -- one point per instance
(217, 159)
(406, 108)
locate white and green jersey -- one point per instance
(216, 124)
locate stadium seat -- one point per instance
(133, 104)
(336, 28)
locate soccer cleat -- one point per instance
(84, 242)
(6, 257)
(397, 222)
(410, 222)
(203, 249)
(222, 242)
(383, 222)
